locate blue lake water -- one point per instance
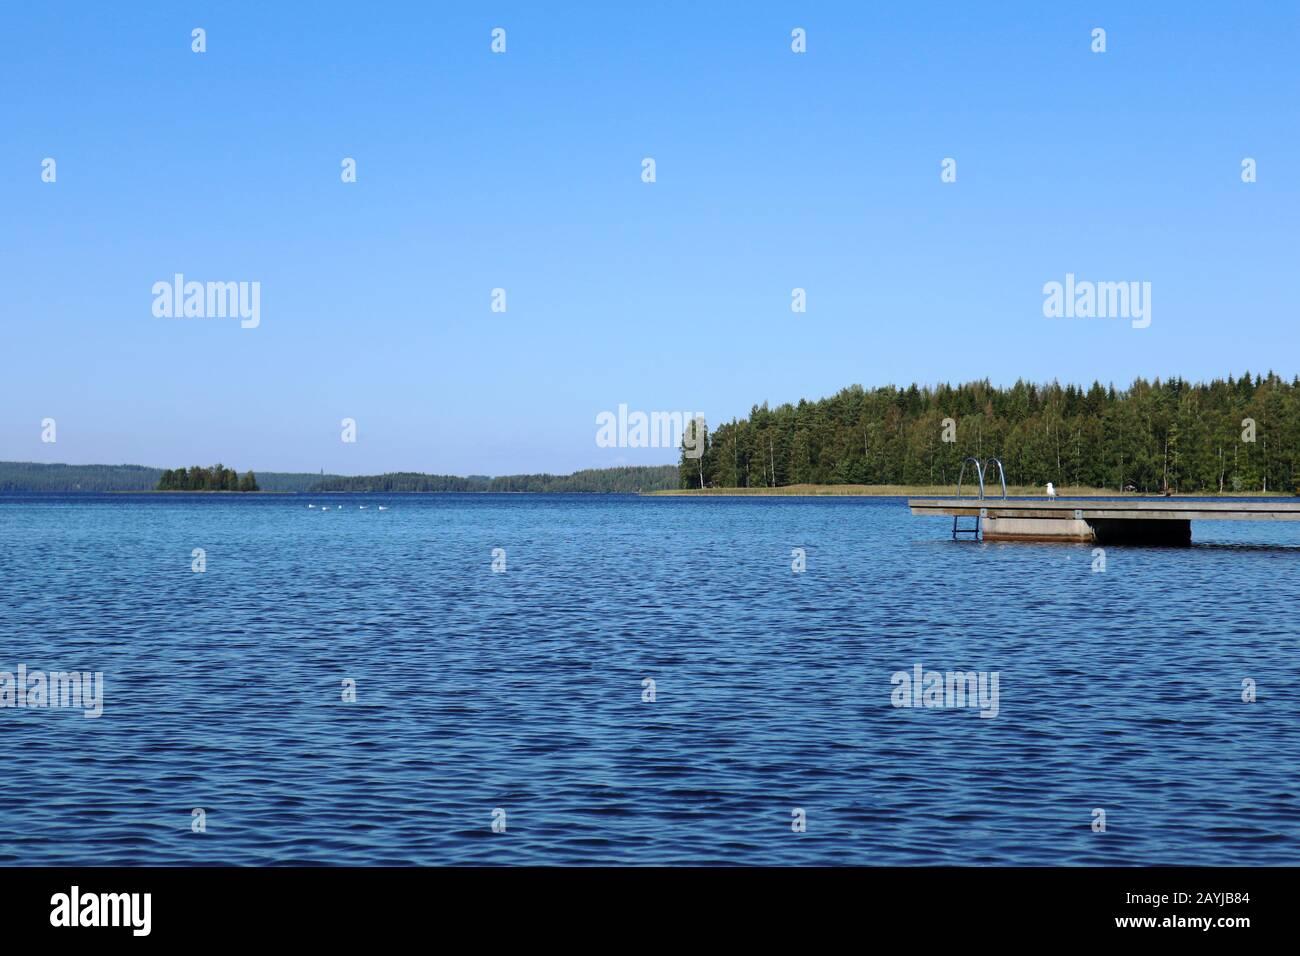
(522, 690)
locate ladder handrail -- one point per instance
(982, 468)
(1002, 475)
(979, 473)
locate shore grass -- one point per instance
(937, 491)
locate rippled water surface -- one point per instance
(523, 690)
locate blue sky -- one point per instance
(522, 171)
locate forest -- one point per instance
(594, 480)
(17, 476)
(28, 476)
(1227, 435)
(198, 478)
(38, 476)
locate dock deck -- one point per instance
(1131, 519)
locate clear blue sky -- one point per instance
(522, 171)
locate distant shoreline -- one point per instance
(300, 494)
(137, 479)
(247, 494)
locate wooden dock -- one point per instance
(1104, 520)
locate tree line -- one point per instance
(37, 476)
(198, 478)
(27, 476)
(17, 476)
(1233, 434)
(625, 480)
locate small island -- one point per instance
(198, 478)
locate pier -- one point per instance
(1131, 520)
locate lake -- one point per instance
(517, 699)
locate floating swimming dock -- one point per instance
(1104, 520)
(1127, 520)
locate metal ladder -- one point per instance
(980, 468)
